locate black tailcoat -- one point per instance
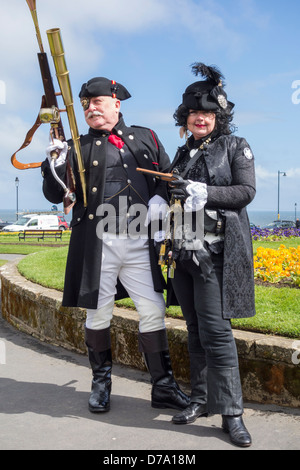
(83, 268)
(231, 187)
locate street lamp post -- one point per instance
(17, 194)
(283, 173)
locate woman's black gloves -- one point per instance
(178, 188)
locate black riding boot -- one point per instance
(165, 390)
(99, 353)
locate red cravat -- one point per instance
(115, 140)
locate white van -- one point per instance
(33, 222)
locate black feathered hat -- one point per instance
(209, 94)
(101, 86)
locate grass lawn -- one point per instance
(9, 243)
(287, 242)
(53, 261)
(278, 309)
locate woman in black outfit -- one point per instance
(215, 283)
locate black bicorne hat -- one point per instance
(209, 94)
(101, 86)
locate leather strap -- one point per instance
(27, 141)
(191, 163)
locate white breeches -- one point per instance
(128, 260)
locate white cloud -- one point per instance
(262, 173)
(205, 23)
(293, 172)
(113, 16)
(12, 134)
(94, 32)
(267, 189)
(265, 174)
(82, 27)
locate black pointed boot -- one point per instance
(101, 364)
(198, 405)
(165, 390)
(235, 427)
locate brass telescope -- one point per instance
(62, 74)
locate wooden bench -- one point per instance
(40, 234)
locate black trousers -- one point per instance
(215, 378)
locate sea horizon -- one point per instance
(256, 217)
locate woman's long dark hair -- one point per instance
(224, 124)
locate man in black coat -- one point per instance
(110, 253)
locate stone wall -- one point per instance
(268, 372)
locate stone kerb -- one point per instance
(267, 370)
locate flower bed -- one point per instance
(278, 265)
(274, 234)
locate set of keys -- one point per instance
(164, 260)
(166, 257)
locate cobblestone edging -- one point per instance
(268, 364)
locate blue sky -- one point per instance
(149, 45)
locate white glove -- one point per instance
(61, 148)
(159, 236)
(157, 209)
(197, 196)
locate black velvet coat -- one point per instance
(83, 268)
(231, 187)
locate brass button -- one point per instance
(98, 142)
(94, 189)
(95, 163)
(91, 216)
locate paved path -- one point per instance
(44, 391)
(43, 405)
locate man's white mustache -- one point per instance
(94, 113)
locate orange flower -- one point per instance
(275, 265)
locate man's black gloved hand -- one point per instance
(178, 188)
